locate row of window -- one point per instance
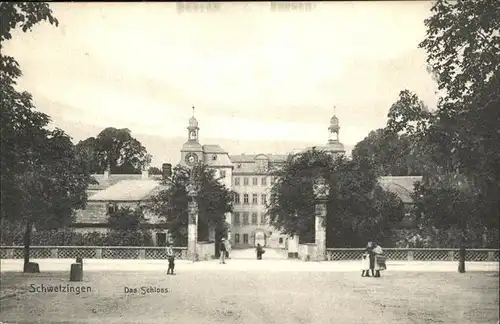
(245, 239)
(246, 181)
(243, 218)
(246, 199)
(237, 238)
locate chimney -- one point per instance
(166, 170)
(145, 175)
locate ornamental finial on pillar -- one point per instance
(320, 188)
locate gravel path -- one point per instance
(256, 297)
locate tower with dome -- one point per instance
(333, 146)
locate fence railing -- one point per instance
(91, 252)
(147, 252)
(409, 254)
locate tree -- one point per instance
(357, 208)
(154, 170)
(43, 178)
(116, 150)
(126, 218)
(126, 227)
(214, 201)
(470, 81)
(25, 15)
(463, 48)
(390, 154)
(87, 151)
(446, 207)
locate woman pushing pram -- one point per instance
(373, 260)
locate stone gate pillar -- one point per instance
(321, 192)
(192, 223)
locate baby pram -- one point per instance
(380, 262)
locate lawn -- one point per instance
(256, 297)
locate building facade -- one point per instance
(246, 175)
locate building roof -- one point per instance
(113, 179)
(191, 146)
(222, 160)
(402, 186)
(128, 190)
(252, 157)
(335, 147)
(213, 149)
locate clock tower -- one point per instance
(192, 151)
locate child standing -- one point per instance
(171, 259)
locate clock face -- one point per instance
(191, 158)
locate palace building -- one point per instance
(247, 175)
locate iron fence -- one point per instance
(335, 254)
(91, 252)
(409, 254)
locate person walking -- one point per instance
(222, 251)
(371, 260)
(228, 248)
(365, 264)
(259, 251)
(379, 264)
(171, 259)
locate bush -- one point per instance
(9, 236)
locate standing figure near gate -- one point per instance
(380, 259)
(228, 248)
(371, 256)
(259, 251)
(222, 251)
(171, 259)
(368, 261)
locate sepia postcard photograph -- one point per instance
(301, 162)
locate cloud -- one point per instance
(253, 74)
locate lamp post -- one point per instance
(321, 191)
(192, 191)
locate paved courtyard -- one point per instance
(207, 292)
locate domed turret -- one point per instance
(333, 146)
(193, 129)
(193, 123)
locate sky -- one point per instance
(262, 81)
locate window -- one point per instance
(214, 157)
(262, 218)
(263, 199)
(236, 198)
(263, 181)
(245, 198)
(236, 217)
(236, 181)
(236, 238)
(112, 208)
(245, 218)
(222, 173)
(238, 166)
(281, 240)
(254, 218)
(245, 238)
(245, 181)
(254, 199)
(255, 181)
